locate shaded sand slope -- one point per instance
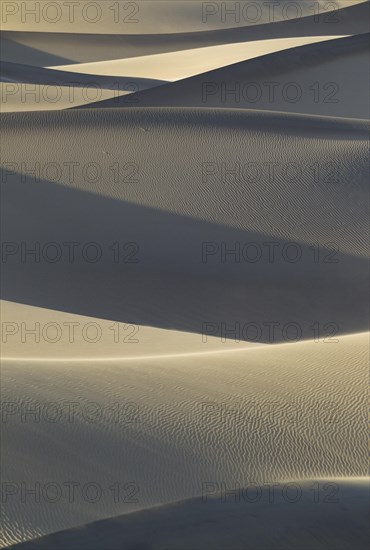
(14, 72)
(29, 88)
(178, 272)
(328, 78)
(157, 16)
(293, 411)
(211, 524)
(46, 48)
(82, 84)
(25, 97)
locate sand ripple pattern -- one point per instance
(293, 411)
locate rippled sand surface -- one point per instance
(185, 284)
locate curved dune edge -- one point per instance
(299, 411)
(118, 343)
(344, 66)
(170, 287)
(179, 65)
(338, 68)
(28, 88)
(57, 89)
(49, 97)
(47, 49)
(208, 132)
(155, 17)
(326, 513)
(132, 400)
(20, 73)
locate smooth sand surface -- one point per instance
(178, 65)
(135, 62)
(57, 48)
(337, 519)
(62, 337)
(328, 79)
(155, 17)
(265, 415)
(30, 88)
(23, 97)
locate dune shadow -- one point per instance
(16, 52)
(211, 523)
(155, 268)
(18, 73)
(208, 89)
(350, 20)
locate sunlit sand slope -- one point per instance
(293, 411)
(177, 65)
(62, 336)
(324, 79)
(58, 48)
(157, 17)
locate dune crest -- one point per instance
(184, 275)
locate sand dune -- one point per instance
(155, 17)
(282, 412)
(184, 294)
(13, 72)
(28, 88)
(322, 87)
(169, 277)
(328, 78)
(24, 97)
(177, 65)
(340, 523)
(47, 49)
(64, 337)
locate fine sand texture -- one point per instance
(184, 275)
(301, 183)
(167, 427)
(304, 402)
(340, 520)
